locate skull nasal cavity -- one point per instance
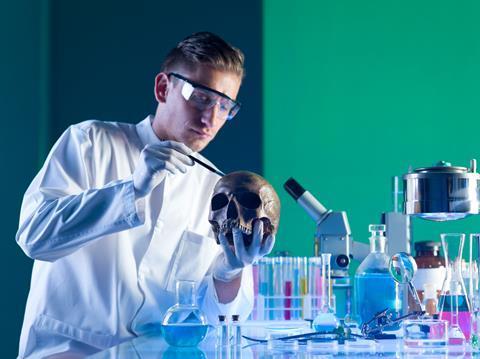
(232, 210)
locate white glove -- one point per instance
(156, 161)
(230, 262)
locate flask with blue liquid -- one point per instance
(375, 289)
(184, 324)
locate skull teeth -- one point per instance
(228, 225)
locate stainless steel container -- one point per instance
(442, 192)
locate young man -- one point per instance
(119, 212)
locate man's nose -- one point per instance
(210, 116)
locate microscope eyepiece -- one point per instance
(293, 188)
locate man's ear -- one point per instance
(161, 87)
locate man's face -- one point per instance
(181, 120)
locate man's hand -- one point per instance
(156, 161)
(229, 264)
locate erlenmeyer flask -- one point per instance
(453, 303)
(184, 325)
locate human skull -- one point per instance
(239, 199)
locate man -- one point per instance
(119, 212)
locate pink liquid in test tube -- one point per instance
(288, 299)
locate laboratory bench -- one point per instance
(154, 346)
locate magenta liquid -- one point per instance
(463, 313)
(288, 299)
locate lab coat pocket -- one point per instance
(192, 258)
(54, 328)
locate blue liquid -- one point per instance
(184, 334)
(375, 292)
(325, 322)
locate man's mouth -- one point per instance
(201, 133)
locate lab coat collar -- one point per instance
(145, 132)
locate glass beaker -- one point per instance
(184, 325)
(453, 303)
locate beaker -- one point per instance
(184, 325)
(453, 303)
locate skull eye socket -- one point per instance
(249, 200)
(220, 200)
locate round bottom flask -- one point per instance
(184, 325)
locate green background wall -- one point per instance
(354, 93)
(357, 91)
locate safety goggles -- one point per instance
(204, 98)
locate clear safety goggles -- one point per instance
(204, 98)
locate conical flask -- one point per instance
(184, 325)
(453, 304)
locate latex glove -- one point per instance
(156, 161)
(231, 261)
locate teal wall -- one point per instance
(21, 111)
(355, 92)
(62, 62)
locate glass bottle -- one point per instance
(184, 325)
(430, 301)
(431, 266)
(453, 304)
(375, 289)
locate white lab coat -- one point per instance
(106, 265)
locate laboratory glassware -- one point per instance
(430, 300)
(402, 268)
(312, 303)
(431, 266)
(474, 292)
(375, 289)
(223, 332)
(425, 333)
(453, 304)
(325, 319)
(288, 287)
(184, 325)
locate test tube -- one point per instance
(296, 310)
(326, 284)
(303, 283)
(288, 286)
(264, 282)
(278, 289)
(236, 331)
(314, 284)
(222, 332)
(255, 275)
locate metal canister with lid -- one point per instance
(442, 192)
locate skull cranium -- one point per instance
(239, 199)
